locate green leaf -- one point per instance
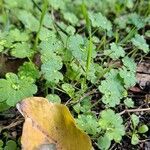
(91, 74)
(1, 143)
(28, 70)
(69, 89)
(3, 106)
(57, 4)
(19, 4)
(51, 44)
(147, 33)
(53, 98)
(112, 89)
(98, 20)
(88, 123)
(134, 139)
(46, 35)
(121, 21)
(130, 4)
(136, 20)
(50, 68)
(129, 64)
(84, 106)
(29, 21)
(104, 142)
(70, 17)
(115, 51)
(14, 89)
(129, 77)
(52, 63)
(17, 35)
(113, 92)
(143, 128)
(140, 43)
(75, 46)
(21, 50)
(10, 145)
(129, 102)
(11, 3)
(111, 123)
(135, 120)
(47, 21)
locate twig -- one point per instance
(134, 110)
(13, 124)
(143, 141)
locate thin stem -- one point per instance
(134, 110)
(44, 10)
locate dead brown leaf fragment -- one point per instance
(50, 126)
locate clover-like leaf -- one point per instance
(52, 63)
(69, 89)
(47, 35)
(21, 50)
(3, 106)
(84, 106)
(57, 4)
(50, 71)
(10, 144)
(28, 69)
(112, 89)
(75, 46)
(129, 77)
(129, 64)
(136, 20)
(111, 123)
(98, 20)
(121, 21)
(50, 68)
(28, 20)
(88, 123)
(51, 44)
(113, 92)
(104, 142)
(53, 98)
(129, 102)
(19, 4)
(14, 89)
(115, 51)
(17, 35)
(70, 17)
(140, 43)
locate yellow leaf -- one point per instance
(50, 126)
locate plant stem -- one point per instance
(134, 110)
(90, 44)
(44, 10)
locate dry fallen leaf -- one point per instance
(50, 126)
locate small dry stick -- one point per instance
(134, 110)
(13, 124)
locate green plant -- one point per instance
(81, 53)
(112, 124)
(137, 129)
(13, 88)
(10, 144)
